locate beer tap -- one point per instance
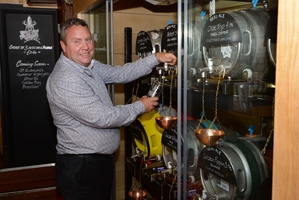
(216, 67)
(169, 170)
(165, 66)
(139, 154)
(208, 69)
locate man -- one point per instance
(87, 122)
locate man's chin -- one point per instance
(85, 62)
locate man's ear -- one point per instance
(63, 46)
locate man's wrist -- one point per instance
(156, 56)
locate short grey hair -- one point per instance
(69, 23)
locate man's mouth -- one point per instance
(84, 54)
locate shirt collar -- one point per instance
(80, 67)
(88, 69)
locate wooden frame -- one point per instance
(285, 160)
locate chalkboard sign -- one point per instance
(221, 28)
(169, 139)
(214, 160)
(170, 38)
(28, 55)
(143, 43)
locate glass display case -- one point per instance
(228, 87)
(215, 140)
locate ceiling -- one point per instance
(171, 5)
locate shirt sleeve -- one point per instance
(127, 72)
(73, 100)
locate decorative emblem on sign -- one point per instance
(30, 33)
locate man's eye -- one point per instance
(76, 41)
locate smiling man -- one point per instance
(87, 121)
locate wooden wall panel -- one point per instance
(139, 19)
(141, 22)
(12, 1)
(22, 179)
(119, 43)
(82, 6)
(286, 126)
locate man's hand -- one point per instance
(169, 58)
(149, 103)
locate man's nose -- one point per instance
(85, 45)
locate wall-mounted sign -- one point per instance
(28, 54)
(170, 38)
(143, 43)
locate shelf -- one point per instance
(156, 183)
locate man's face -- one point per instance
(79, 45)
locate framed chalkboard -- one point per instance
(29, 50)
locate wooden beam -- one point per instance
(286, 126)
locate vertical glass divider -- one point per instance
(184, 48)
(179, 100)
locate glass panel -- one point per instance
(228, 82)
(99, 36)
(97, 24)
(100, 23)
